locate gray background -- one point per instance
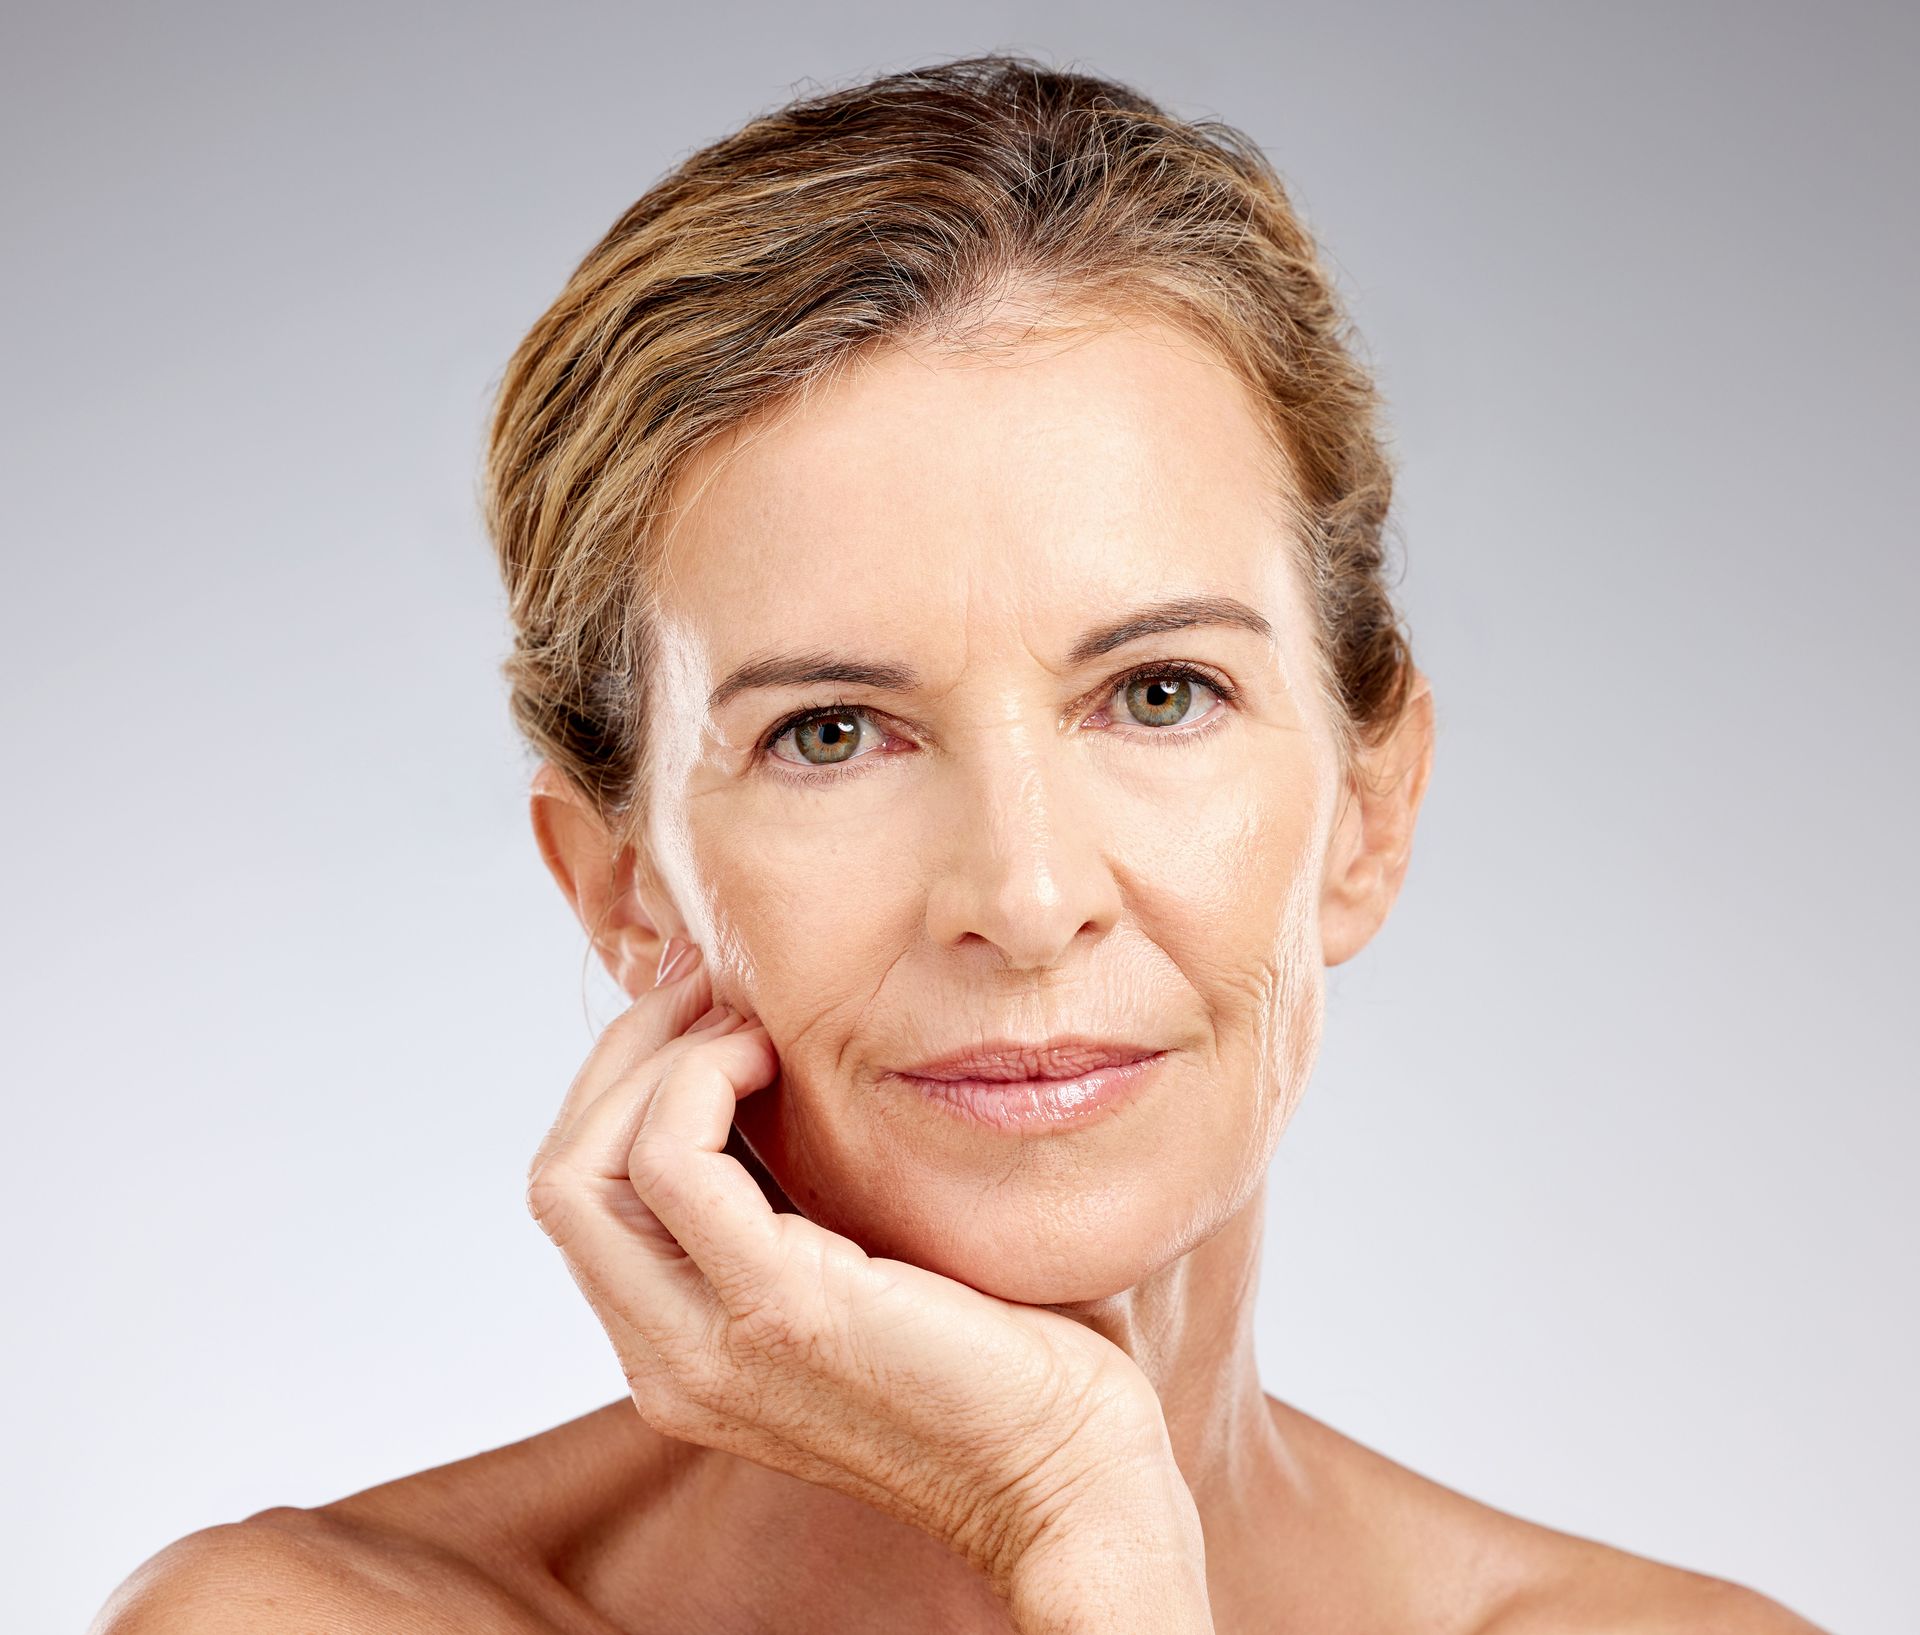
(1601, 1207)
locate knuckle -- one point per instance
(652, 1160)
(549, 1194)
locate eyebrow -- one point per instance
(803, 668)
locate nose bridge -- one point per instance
(1026, 868)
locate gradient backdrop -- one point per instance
(1602, 1206)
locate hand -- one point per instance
(982, 1422)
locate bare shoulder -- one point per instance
(1582, 1587)
(1488, 1572)
(289, 1569)
(462, 1547)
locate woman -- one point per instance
(942, 523)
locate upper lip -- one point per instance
(1064, 1056)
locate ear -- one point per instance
(1372, 839)
(618, 903)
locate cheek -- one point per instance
(803, 924)
(1217, 875)
(1230, 892)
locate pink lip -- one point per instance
(1011, 1060)
(1061, 1085)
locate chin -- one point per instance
(1063, 1272)
(1039, 1226)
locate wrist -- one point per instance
(1126, 1554)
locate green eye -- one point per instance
(1159, 701)
(1162, 698)
(824, 740)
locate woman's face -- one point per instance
(1015, 824)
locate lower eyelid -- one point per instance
(1185, 730)
(794, 771)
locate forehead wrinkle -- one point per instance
(1154, 498)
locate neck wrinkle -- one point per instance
(1189, 1328)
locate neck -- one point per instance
(1189, 1329)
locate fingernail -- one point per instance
(676, 959)
(716, 1016)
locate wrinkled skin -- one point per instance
(1010, 850)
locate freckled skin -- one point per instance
(1010, 851)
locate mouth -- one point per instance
(1059, 1083)
(1010, 1061)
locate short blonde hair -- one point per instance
(898, 208)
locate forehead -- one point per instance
(948, 497)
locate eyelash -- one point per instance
(1176, 670)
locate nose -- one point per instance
(1026, 869)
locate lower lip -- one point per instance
(1030, 1104)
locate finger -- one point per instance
(597, 1142)
(583, 1198)
(656, 1016)
(619, 1203)
(677, 1165)
(645, 1027)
